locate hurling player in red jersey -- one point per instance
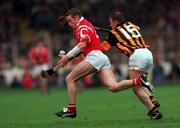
(40, 58)
(88, 43)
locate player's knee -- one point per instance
(69, 79)
(113, 88)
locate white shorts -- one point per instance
(141, 60)
(37, 69)
(98, 60)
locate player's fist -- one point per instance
(44, 74)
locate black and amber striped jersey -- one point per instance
(126, 37)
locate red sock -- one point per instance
(137, 81)
(71, 107)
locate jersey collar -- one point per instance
(121, 23)
(80, 20)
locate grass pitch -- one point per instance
(97, 108)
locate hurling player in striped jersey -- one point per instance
(127, 39)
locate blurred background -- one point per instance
(24, 22)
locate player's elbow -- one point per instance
(82, 45)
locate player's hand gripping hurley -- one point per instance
(46, 74)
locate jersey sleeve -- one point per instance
(105, 46)
(109, 42)
(111, 39)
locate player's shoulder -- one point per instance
(133, 24)
(85, 25)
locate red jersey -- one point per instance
(40, 56)
(85, 32)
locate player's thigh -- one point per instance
(107, 77)
(80, 70)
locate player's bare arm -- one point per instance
(64, 59)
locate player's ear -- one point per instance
(116, 23)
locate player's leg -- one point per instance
(79, 71)
(139, 90)
(93, 62)
(42, 82)
(142, 94)
(150, 94)
(43, 85)
(140, 62)
(107, 77)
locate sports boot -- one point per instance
(66, 113)
(154, 114)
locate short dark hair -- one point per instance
(117, 15)
(73, 12)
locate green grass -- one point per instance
(97, 108)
